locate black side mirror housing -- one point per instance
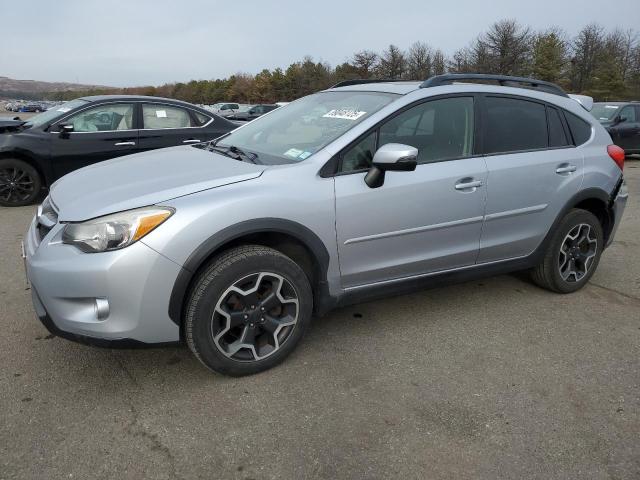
(65, 129)
(393, 157)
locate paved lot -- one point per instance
(491, 379)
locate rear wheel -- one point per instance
(20, 183)
(573, 253)
(248, 310)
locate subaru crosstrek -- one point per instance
(362, 190)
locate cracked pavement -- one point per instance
(490, 379)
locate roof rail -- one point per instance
(360, 81)
(503, 80)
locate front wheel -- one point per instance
(20, 183)
(248, 310)
(573, 253)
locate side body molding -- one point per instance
(259, 225)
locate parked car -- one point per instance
(36, 152)
(622, 121)
(253, 112)
(32, 107)
(226, 109)
(344, 195)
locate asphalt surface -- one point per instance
(493, 379)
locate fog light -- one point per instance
(102, 308)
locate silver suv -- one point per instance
(362, 190)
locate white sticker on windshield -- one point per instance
(344, 113)
(611, 106)
(161, 113)
(293, 152)
(304, 155)
(64, 109)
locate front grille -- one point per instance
(47, 218)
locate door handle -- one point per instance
(466, 184)
(191, 140)
(565, 168)
(122, 144)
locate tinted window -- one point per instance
(103, 118)
(514, 125)
(580, 130)
(629, 113)
(439, 129)
(164, 116)
(557, 136)
(201, 118)
(359, 156)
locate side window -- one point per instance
(439, 129)
(580, 130)
(164, 116)
(514, 125)
(629, 113)
(359, 156)
(201, 119)
(103, 118)
(557, 136)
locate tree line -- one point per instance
(596, 62)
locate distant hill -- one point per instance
(33, 89)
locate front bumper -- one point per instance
(111, 299)
(617, 209)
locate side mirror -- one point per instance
(394, 157)
(65, 129)
(619, 119)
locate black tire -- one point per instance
(548, 274)
(20, 183)
(203, 321)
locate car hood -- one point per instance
(144, 179)
(9, 124)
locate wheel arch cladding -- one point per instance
(290, 238)
(598, 202)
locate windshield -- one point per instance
(604, 112)
(295, 132)
(51, 115)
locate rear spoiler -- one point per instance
(585, 101)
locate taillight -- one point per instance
(616, 154)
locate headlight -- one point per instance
(115, 231)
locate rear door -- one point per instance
(100, 132)
(166, 125)
(533, 171)
(416, 222)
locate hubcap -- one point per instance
(577, 253)
(16, 185)
(255, 316)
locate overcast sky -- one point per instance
(142, 42)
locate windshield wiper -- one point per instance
(233, 152)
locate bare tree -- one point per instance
(504, 49)
(365, 63)
(392, 63)
(587, 46)
(419, 61)
(438, 63)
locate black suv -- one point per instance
(36, 152)
(622, 121)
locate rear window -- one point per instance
(580, 130)
(514, 125)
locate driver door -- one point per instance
(99, 133)
(417, 222)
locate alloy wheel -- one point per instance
(577, 253)
(16, 185)
(255, 316)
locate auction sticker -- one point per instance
(344, 113)
(293, 152)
